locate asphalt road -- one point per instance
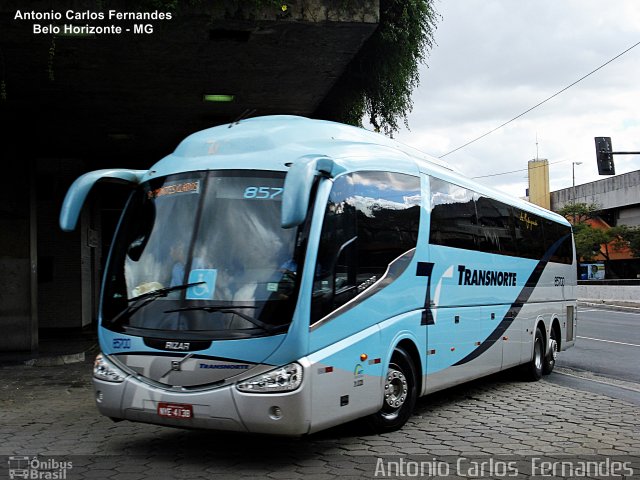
(605, 357)
(608, 344)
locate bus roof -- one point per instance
(274, 142)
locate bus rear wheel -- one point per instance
(552, 354)
(399, 395)
(533, 369)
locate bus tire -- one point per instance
(399, 395)
(552, 353)
(533, 369)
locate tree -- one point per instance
(633, 237)
(628, 237)
(590, 241)
(578, 213)
(379, 81)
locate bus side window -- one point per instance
(462, 218)
(454, 221)
(336, 243)
(388, 217)
(497, 232)
(371, 219)
(554, 232)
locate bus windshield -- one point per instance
(203, 255)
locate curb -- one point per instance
(72, 354)
(594, 377)
(56, 360)
(634, 308)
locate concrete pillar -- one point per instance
(18, 256)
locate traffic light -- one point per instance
(604, 156)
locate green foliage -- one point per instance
(398, 47)
(163, 5)
(591, 242)
(633, 237)
(579, 212)
(378, 83)
(628, 237)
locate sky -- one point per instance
(494, 59)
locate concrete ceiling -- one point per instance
(134, 97)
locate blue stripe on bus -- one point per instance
(516, 306)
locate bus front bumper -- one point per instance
(224, 408)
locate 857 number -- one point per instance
(262, 193)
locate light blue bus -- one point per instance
(284, 275)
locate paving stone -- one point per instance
(50, 411)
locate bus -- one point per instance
(283, 275)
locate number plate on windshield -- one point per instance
(175, 410)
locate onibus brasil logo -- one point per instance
(36, 468)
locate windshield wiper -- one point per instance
(163, 292)
(147, 298)
(225, 309)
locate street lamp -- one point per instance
(573, 171)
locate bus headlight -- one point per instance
(104, 370)
(283, 379)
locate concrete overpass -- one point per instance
(617, 196)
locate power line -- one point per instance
(541, 103)
(520, 170)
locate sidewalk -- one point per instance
(55, 348)
(610, 304)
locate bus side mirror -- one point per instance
(298, 184)
(78, 191)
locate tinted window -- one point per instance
(336, 244)
(558, 238)
(388, 215)
(371, 219)
(454, 221)
(462, 218)
(529, 235)
(497, 227)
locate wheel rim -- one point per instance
(396, 389)
(538, 354)
(554, 350)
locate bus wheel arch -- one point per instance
(410, 348)
(400, 390)
(553, 347)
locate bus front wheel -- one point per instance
(399, 394)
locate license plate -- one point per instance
(175, 410)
